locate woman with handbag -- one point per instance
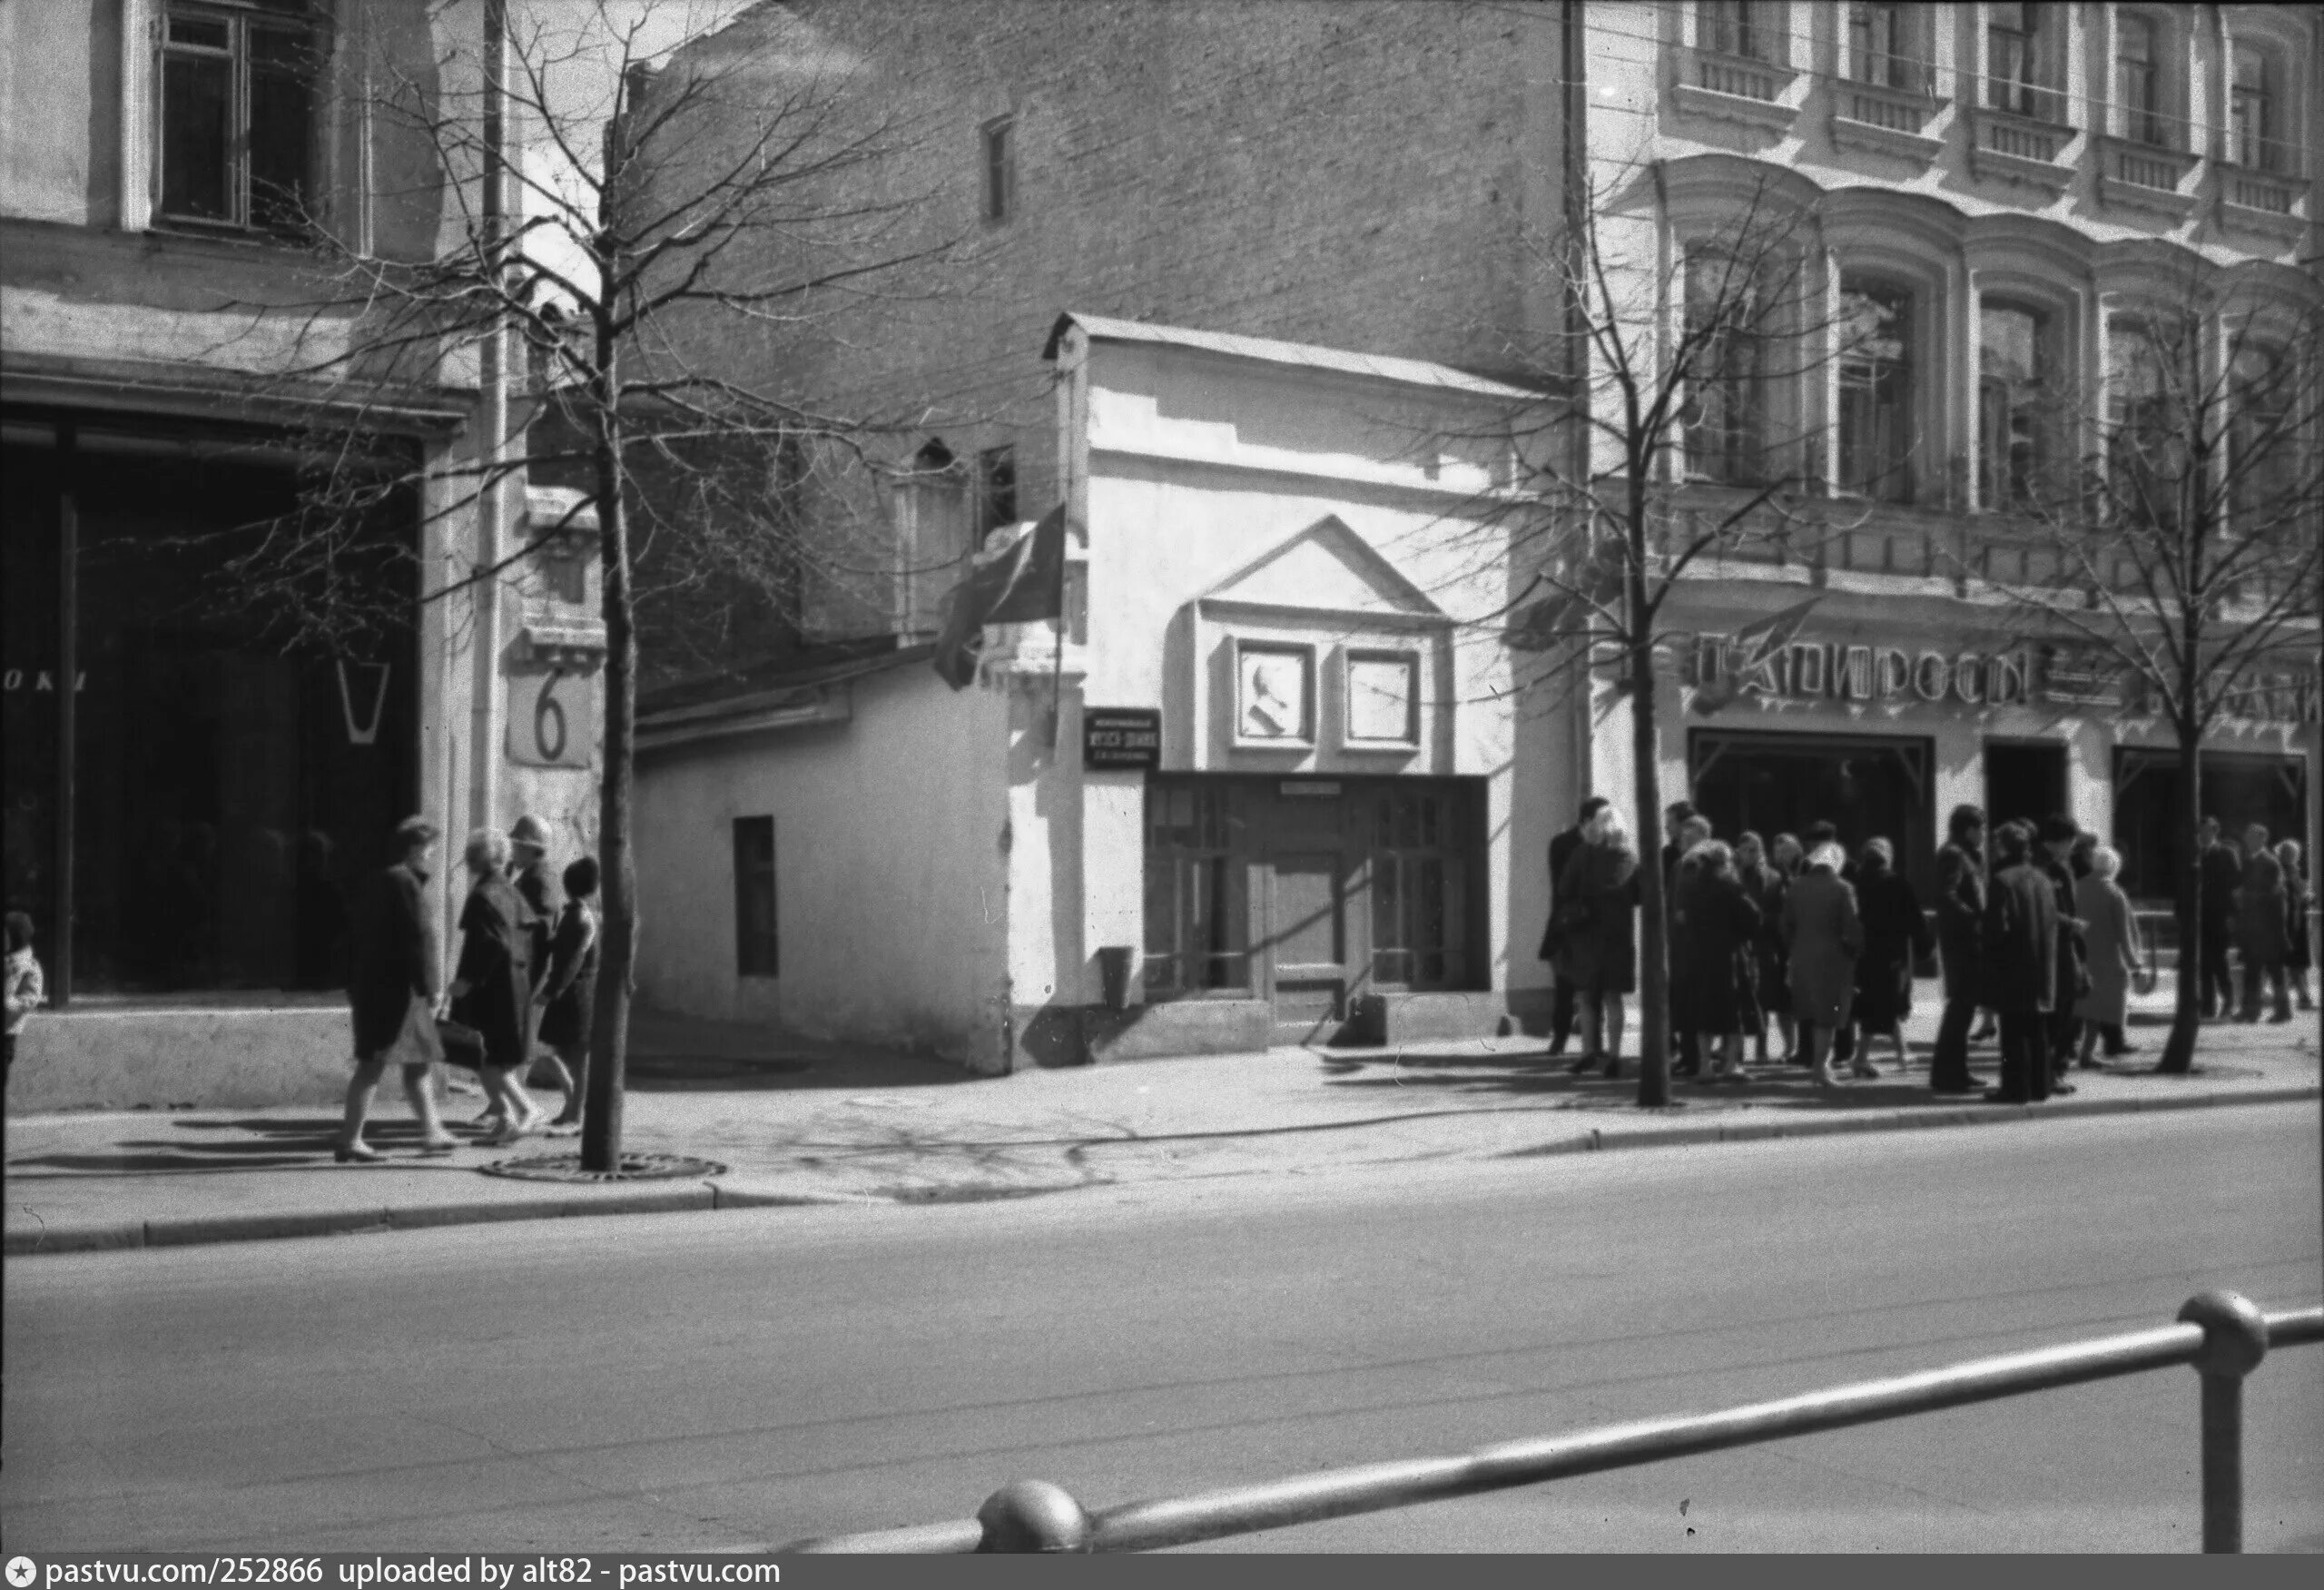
(492, 988)
(391, 992)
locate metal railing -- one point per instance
(2222, 1334)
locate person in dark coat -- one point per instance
(492, 987)
(1685, 1043)
(2221, 874)
(2021, 979)
(1960, 933)
(391, 992)
(536, 882)
(2260, 926)
(1562, 849)
(1895, 934)
(2297, 954)
(569, 993)
(1771, 996)
(1713, 985)
(1823, 936)
(2060, 835)
(1598, 900)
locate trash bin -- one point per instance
(1114, 964)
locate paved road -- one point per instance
(687, 1381)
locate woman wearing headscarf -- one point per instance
(1597, 898)
(1896, 934)
(1712, 983)
(2111, 933)
(1823, 936)
(492, 988)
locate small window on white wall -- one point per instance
(2024, 57)
(1747, 29)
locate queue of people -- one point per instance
(523, 987)
(2038, 944)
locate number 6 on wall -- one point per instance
(552, 718)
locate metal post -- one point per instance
(1033, 1515)
(2235, 1338)
(68, 671)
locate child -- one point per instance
(569, 992)
(26, 993)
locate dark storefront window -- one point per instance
(1772, 784)
(226, 790)
(2238, 789)
(1196, 920)
(1418, 884)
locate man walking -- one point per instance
(2021, 942)
(2222, 876)
(1960, 937)
(1562, 849)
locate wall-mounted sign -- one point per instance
(1121, 738)
(552, 719)
(1829, 670)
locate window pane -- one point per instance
(202, 32)
(1876, 382)
(2013, 365)
(283, 133)
(197, 96)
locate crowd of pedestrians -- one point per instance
(2037, 944)
(523, 988)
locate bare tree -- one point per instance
(2184, 543)
(714, 198)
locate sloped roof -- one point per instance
(1299, 355)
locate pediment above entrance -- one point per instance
(1326, 571)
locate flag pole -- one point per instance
(1064, 624)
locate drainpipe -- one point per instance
(484, 752)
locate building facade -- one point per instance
(190, 787)
(2007, 190)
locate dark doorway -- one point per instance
(1772, 784)
(2025, 782)
(2238, 790)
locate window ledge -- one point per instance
(2141, 176)
(2261, 202)
(1736, 88)
(2018, 149)
(1886, 121)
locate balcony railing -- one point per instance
(1736, 88)
(1892, 113)
(1741, 76)
(2222, 1335)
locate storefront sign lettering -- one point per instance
(39, 679)
(1121, 738)
(1820, 670)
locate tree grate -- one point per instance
(567, 1166)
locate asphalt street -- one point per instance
(690, 1382)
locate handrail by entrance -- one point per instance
(2222, 1334)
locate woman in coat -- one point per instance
(492, 987)
(1713, 983)
(568, 994)
(1895, 934)
(1784, 859)
(392, 990)
(1597, 947)
(2299, 956)
(2111, 932)
(1823, 936)
(2021, 968)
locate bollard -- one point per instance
(2235, 1338)
(1033, 1515)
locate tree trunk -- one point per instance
(2186, 1014)
(1653, 954)
(609, 1040)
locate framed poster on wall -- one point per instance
(1275, 695)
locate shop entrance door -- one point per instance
(1305, 949)
(2023, 783)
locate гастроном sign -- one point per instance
(1121, 738)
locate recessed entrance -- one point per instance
(2025, 781)
(2238, 789)
(1771, 783)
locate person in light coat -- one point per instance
(1824, 936)
(2111, 932)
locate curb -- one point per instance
(1599, 1140)
(677, 1198)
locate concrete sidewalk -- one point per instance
(796, 1122)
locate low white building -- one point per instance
(1269, 784)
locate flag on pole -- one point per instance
(1020, 584)
(1763, 638)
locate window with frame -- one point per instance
(1882, 50)
(2252, 111)
(2147, 455)
(2022, 56)
(1197, 912)
(2138, 78)
(757, 952)
(1418, 888)
(239, 124)
(2263, 451)
(1876, 376)
(1000, 143)
(1727, 323)
(2016, 360)
(1737, 28)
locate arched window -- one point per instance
(1878, 368)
